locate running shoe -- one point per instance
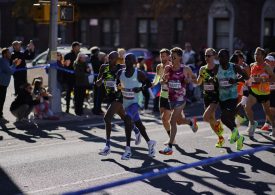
(138, 138)
(194, 125)
(220, 142)
(266, 127)
(251, 129)
(105, 151)
(166, 151)
(239, 143)
(234, 136)
(219, 128)
(151, 148)
(127, 154)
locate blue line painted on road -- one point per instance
(170, 170)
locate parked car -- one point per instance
(148, 56)
(41, 59)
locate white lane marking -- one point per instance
(156, 129)
(91, 180)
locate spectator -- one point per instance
(18, 58)
(60, 73)
(5, 77)
(69, 79)
(42, 110)
(23, 104)
(188, 55)
(121, 54)
(82, 71)
(98, 90)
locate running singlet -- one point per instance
(164, 87)
(259, 88)
(210, 88)
(128, 84)
(110, 79)
(176, 84)
(226, 90)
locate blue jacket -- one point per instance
(5, 72)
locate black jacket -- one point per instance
(22, 98)
(27, 55)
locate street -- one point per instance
(54, 159)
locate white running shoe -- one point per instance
(105, 151)
(138, 138)
(151, 148)
(127, 154)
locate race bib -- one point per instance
(174, 84)
(272, 86)
(208, 87)
(224, 83)
(110, 84)
(128, 94)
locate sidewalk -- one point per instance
(63, 117)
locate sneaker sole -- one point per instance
(168, 153)
(104, 154)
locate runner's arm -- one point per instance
(269, 71)
(242, 72)
(157, 76)
(100, 76)
(199, 80)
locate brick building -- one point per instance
(154, 24)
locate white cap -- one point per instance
(270, 58)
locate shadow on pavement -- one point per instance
(233, 175)
(7, 186)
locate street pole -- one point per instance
(54, 89)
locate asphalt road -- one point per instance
(53, 159)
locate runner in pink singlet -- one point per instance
(177, 76)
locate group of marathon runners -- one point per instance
(231, 84)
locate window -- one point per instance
(83, 31)
(221, 18)
(178, 31)
(221, 33)
(268, 25)
(110, 32)
(269, 33)
(147, 33)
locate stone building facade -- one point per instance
(231, 24)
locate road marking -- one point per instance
(92, 179)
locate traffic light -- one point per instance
(41, 13)
(66, 13)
